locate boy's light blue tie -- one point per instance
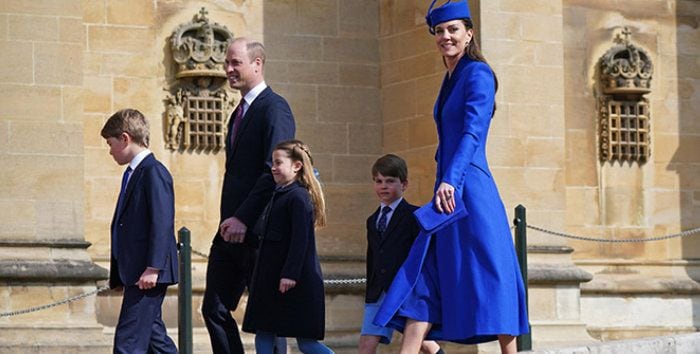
(382, 224)
(120, 200)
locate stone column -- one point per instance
(43, 254)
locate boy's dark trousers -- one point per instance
(141, 314)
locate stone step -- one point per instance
(56, 349)
(54, 339)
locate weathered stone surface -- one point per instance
(359, 74)
(328, 138)
(288, 47)
(43, 7)
(352, 50)
(130, 12)
(358, 18)
(51, 177)
(314, 73)
(49, 57)
(348, 104)
(365, 138)
(48, 137)
(317, 17)
(3, 26)
(30, 102)
(33, 28)
(119, 39)
(17, 62)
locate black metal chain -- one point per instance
(595, 239)
(48, 306)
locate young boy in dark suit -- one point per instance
(144, 255)
(391, 230)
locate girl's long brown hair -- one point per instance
(298, 151)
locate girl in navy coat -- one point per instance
(286, 293)
(467, 287)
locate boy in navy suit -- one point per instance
(144, 255)
(391, 230)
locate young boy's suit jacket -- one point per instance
(385, 254)
(144, 225)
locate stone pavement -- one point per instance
(677, 344)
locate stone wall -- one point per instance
(42, 247)
(41, 120)
(523, 42)
(617, 200)
(323, 57)
(655, 284)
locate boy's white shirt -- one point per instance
(136, 161)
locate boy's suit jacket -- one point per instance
(248, 182)
(145, 227)
(386, 254)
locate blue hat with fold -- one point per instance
(447, 12)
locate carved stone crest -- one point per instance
(623, 121)
(198, 106)
(626, 68)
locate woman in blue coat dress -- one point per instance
(461, 283)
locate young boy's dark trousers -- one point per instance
(141, 313)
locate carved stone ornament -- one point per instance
(626, 68)
(198, 106)
(625, 77)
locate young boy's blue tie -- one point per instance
(120, 201)
(382, 224)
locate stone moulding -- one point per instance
(59, 271)
(49, 270)
(46, 243)
(539, 273)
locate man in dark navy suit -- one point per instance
(144, 255)
(261, 120)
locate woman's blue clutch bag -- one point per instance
(431, 220)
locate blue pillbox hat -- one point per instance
(447, 12)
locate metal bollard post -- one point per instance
(184, 293)
(524, 341)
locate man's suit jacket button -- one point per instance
(383, 271)
(381, 251)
